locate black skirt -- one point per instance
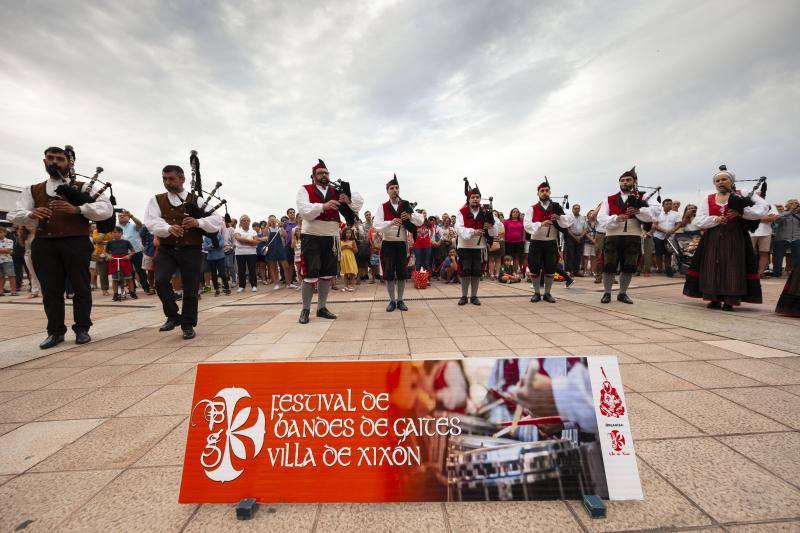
(789, 302)
(725, 267)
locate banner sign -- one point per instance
(475, 429)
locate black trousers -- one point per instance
(136, 262)
(394, 259)
(470, 260)
(58, 260)
(246, 264)
(320, 257)
(218, 270)
(188, 261)
(543, 254)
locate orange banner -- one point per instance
(389, 431)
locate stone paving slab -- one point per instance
(92, 437)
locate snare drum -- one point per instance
(436, 447)
(481, 469)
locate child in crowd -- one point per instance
(298, 256)
(216, 262)
(375, 240)
(508, 272)
(7, 264)
(120, 252)
(348, 262)
(449, 271)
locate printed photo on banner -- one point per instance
(475, 429)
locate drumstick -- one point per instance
(541, 421)
(511, 427)
(490, 406)
(515, 421)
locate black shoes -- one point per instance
(115, 298)
(474, 301)
(401, 305)
(570, 281)
(714, 305)
(50, 341)
(324, 313)
(169, 325)
(727, 307)
(624, 298)
(462, 301)
(188, 332)
(391, 307)
(549, 298)
(133, 295)
(82, 337)
(606, 298)
(304, 316)
(536, 298)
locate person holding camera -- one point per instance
(62, 248)
(472, 227)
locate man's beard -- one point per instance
(626, 188)
(545, 199)
(56, 172)
(323, 181)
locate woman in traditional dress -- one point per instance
(789, 302)
(724, 270)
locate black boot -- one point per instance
(401, 305)
(324, 313)
(474, 301)
(169, 325)
(391, 307)
(606, 298)
(549, 298)
(536, 298)
(624, 298)
(188, 332)
(82, 337)
(462, 301)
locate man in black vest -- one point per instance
(62, 248)
(180, 247)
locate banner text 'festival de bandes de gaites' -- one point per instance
(370, 431)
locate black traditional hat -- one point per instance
(392, 181)
(631, 173)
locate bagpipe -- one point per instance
(636, 200)
(72, 193)
(343, 187)
(407, 207)
(191, 205)
(559, 209)
(738, 203)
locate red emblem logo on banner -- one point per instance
(617, 440)
(610, 400)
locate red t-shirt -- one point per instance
(423, 237)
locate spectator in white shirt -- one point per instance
(762, 237)
(665, 225)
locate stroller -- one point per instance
(683, 247)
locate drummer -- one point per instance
(507, 375)
(568, 395)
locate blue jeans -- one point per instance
(422, 259)
(230, 265)
(779, 252)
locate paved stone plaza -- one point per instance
(92, 437)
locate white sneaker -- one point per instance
(240, 289)
(254, 289)
(293, 286)
(276, 287)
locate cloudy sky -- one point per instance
(501, 91)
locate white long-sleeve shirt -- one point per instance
(573, 397)
(705, 221)
(100, 209)
(389, 230)
(634, 227)
(159, 227)
(539, 231)
(311, 211)
(468, 237)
